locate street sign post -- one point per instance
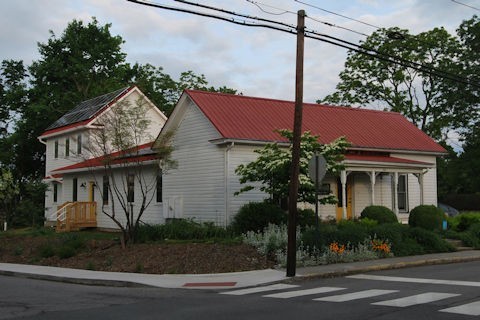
(317, 168)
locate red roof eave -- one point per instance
(100, 161)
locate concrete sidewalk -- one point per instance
(227, 280)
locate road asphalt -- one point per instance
(228, 280)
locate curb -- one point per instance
(380, 267)
(89, 282)
(338, 270)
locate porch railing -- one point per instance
(72, 216)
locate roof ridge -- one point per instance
(311, 104)
(105, 94)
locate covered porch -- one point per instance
(383, 176)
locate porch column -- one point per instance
(395, 192)
(420, 182)
(343, 181)
(373, 178)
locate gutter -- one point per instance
(227, 180)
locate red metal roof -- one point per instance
(250, 118)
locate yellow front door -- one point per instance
(348, 189)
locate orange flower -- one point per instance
(334, 247)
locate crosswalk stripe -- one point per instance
(278, 286)
(471, 309)
(416, 299)
(415, 280)
(300, 293)
(356, 295)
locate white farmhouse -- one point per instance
(74, 162)
(390, 161)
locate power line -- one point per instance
(260, 4)
(280, 26)
(466, 5)
(231, 20)
(338, 14)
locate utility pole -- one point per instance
(297, 133)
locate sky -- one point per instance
(254, 61)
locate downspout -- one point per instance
(227, 180)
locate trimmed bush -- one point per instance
(255, 216)
(427, 217)
(380, 214)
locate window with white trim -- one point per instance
(79, 144)
(402, 193)
(67, 147)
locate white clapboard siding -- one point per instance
(429, 181)
(152, 215)
(198, 182)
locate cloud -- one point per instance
(255, 61)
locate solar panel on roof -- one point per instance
(86, 109)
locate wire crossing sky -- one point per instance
(255, 61)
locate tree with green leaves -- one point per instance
(417, 94)
(272, 167)
(84, 61)
(9, 191)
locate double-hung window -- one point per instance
(159, 187)
(67, 147)
(402, 193)
(131, 187)
(75, 189)
(55, 192)
(56, 149)
(79, 144)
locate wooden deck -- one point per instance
(72, 216)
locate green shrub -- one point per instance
(429, 240)
(405, 240)
(321, 238)
(471, 237)
(427, 217)
(393, 232)
(380, 214)
(306, 218)
(351, 232)
(466, 220)
(256, 216)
